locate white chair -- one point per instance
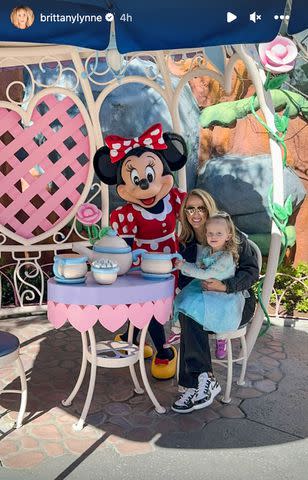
(232, 335)
(9, 353)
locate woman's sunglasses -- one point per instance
(192, 210)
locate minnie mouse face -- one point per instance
(145, 180)
(141, 166)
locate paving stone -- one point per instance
(269, 362)
(121, 422)
(266, 386)
(141, 434)
(121, 395)
(254, 376)
(189, 423)
(53, 449)
(68, 364)
(7, 446)
(265, 351)
(231, 411)
(48, 432)
(114, 439)
(79, 445)
(275, 375)
(279, 355)
(28, 442)
(89, 431)
(113, 429)
(137, 419)
(23, 460)
(207, 415)
(134, 448)
(168, 425)
(46, 418)
(248, 393)
(117, 409)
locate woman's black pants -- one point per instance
(195, 354)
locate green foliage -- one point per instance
(275, 82)
(227, 113)
(282, 122)
(295, 297)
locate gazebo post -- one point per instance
(268, 111)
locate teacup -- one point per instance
(70, 266)
(105, 271)
(158, 262)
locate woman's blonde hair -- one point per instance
(28, 10)
(187, 232)
(232, 244)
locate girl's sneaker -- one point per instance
(173, 339)
(221, 349)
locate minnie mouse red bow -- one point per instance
(151, 138)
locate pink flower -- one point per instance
(88, 214)
(278, 56)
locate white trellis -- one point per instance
(27, 252)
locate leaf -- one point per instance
(288, 205)
(275, 82)
(279, 123)
(280, 212)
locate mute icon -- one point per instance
(253, 17)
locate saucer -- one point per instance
(70, 280)
(156, 276)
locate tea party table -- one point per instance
(132, 298)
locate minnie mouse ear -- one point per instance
(104, 169)
(176, 153)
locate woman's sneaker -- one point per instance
(185, 403)
(221, 349)
(173, 339)
(208, 389)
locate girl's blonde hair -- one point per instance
(232, 244)
(28, 10)
(187, 232)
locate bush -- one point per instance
(295, 297)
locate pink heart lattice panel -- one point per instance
(43, 167)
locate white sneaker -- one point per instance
(185, 403)
(208, 389)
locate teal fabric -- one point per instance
(215, 311)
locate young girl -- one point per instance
(215, 311)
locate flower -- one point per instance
(278, 56)
(88, 214)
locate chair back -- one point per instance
(255, 247)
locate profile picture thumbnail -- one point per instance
(22, 17)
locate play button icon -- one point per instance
(231, 17)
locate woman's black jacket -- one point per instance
(246, 274)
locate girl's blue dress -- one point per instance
(215, 311)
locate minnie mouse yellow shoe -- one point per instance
(148, 350)
(164, 369)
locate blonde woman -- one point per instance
(22, 17)
(196, 373)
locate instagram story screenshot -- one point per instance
(153, 239)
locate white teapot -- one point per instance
(111, 247)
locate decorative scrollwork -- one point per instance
(97, 71)
(54, 64)
(26, 270)
(3, 239)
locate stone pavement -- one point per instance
(123, 428)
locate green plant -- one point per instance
(291, 287)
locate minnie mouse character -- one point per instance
(141, 168)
